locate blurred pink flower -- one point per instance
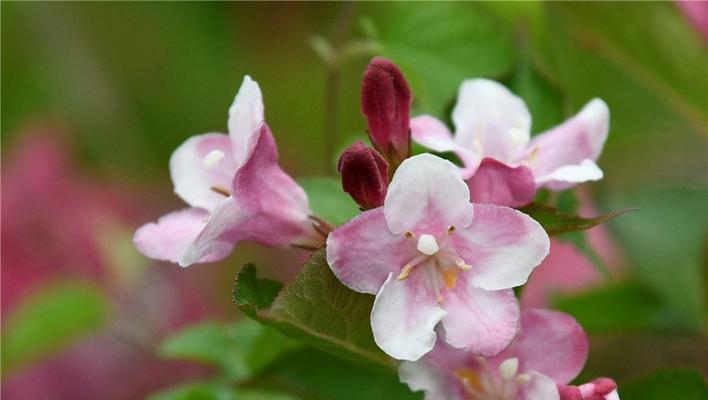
(60, 225)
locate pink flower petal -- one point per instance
(404, 316)
(551, 343)
(487, 114)
(278, 208)
(576, 143)
(170, 236)
(479, 321)
(428, 194)
(245, 118)
(425, 376)
(219, 235)
(497, 183)
(201, 163)
(266, 206)
(540, 387)
(433, 134)
(502, 245)
(362, 253)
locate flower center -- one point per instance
(483, 383)
(440, 259)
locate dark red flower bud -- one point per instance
(364, 175)
(386, 101)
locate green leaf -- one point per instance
(50, 319)
(252, 294)
(328, 201)
(215, 391)
(316, 375)
(437, 57)
(240, 349)
(622, 307)
(318, 309)
(684, 384)
(555, 222)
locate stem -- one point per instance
(331, 99)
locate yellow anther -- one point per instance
(405, 271)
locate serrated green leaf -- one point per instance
(50, 319)
(318, 309)
(240, 349)
(555, 222)
(320, 376)
(328, 201)
(684, 384)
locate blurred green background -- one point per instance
(123, 84)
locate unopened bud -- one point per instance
(386, 101)
(364, 175)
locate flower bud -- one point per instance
(386, 101)
(364, 175)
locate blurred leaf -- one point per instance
(328, 201)
(556, 222)
(215, 391)
(665, 246)
(436, 57)
(643, 59)
(665, 384)
(50, 319)
(627, 306)
(239, 349)
(543, 98)
(318, 309)
(320, 376)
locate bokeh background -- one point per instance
(96, 96)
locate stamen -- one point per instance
(433, 276)
(406, 270)
(461, 264)
(427, 244)
(220, 190)
(451, 229)
(523, 378)
(409, 234)
(509, 367)
(212, 158)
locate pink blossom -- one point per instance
(493, 123)
(431, 256)
(548, 352)
(236, 191)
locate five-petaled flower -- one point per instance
(236, 191)
(430, 255)
(548, 352)
(502, 164)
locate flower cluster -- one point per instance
(438, 244)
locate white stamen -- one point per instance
(427, 244)
(508, 367)
(212, 158)
(523, 378)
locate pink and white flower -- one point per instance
(236, 191)
(548, 352)
(431, 256)
(493, 141)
